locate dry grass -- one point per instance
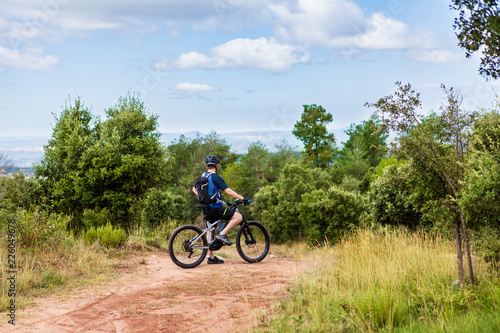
(381, 282)
(71, 263)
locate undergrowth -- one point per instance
(388, 282)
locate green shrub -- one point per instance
(107, 236)
(162, 206)
(391, 196)
(487, 244)
(331, 213)
(93, 218)
(277, 205)
(91, 235)
(36, 227)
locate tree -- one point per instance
(353, 159)
(391, 195)
(278, 204)
(435, 146)
(478, 26)
(370, 137)
(102, 165)
(61, 167)
(481, 185)
(250, 174)
(311, 130)
(285, 154)
(125, 162)
(5, 163)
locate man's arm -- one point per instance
(194, 190)
(230, 192)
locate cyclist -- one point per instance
(217, 210)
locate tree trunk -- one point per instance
(467, 248)
(460, 260)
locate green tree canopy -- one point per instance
(370, 138)
(97, 165)
(311, 130)
(436, 146)
(62, 166)
(478, 30)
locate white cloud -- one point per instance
(343, 24)
(33, 59)
(193, 88)
(435, 56)
(430, 86)
(262, 53)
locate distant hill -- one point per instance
(25, 151)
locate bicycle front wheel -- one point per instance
(252, 242)
(187, 247)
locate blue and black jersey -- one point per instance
(215, 185)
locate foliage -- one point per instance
(331, 213)
(277, 205)
(107, 235)
(126, 161)
(258, 167)
(283, 155)
(387, 281)
(93, 218)
(353, 159)
(61, 168)
(391, 197)
(20, 192)
(478, 26)
(311, 130)
(5, 164)
(91, 164)
(481, 185)
(163, 206)
(365, 147)
(436, 146)
(36, 228)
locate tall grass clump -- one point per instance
(72, 263)
(108, 236)
(386, 281)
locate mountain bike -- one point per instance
(189, 245)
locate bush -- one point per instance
(36, 227)
(331, 213)
(392, 203)
(93, 218)
(107, 236)
(277, 205)
(487, 243)
(20, 192)
(162, 206)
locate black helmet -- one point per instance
(211, 160)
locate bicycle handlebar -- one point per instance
(230, 204)
(238, 202)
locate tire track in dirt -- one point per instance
(161, 297)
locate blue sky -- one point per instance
(226, 65)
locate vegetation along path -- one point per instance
(161, 297)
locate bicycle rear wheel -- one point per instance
(184, 249)
(252, 242)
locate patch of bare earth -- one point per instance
(161, 297)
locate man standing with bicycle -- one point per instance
(217, 210)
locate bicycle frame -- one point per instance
(210, 230)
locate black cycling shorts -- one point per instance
(221, 213)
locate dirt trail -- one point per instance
(161, 297)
